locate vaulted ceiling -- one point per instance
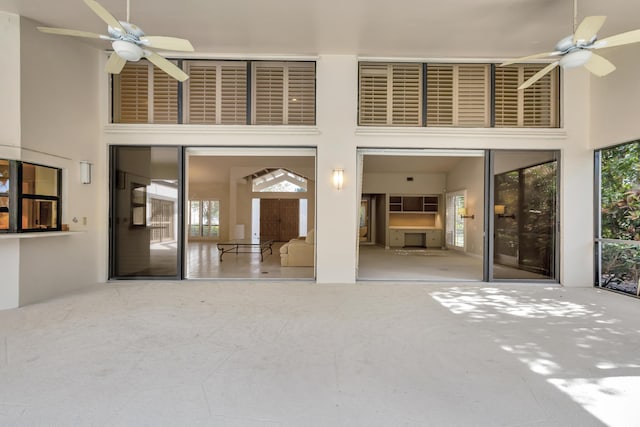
(384, 28)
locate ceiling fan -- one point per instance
(577, 49)
(130, 43)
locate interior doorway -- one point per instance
(404, 205)
(260, 194)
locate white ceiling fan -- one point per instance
(130, 43)
(577, 49)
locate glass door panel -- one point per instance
(525, 194)
(145, 212)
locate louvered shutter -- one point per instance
(233, 93)
(200, 105)
(165, 97)
(472, 95)
(268, 94)
(506, 96)
(536, 106)
(373, 94)
(406, 108)
(131, 94)
(301, 94)
(440, 95)
(539, 98)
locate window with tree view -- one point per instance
(618, 231)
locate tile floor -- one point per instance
(200, 353)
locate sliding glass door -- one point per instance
(146, 207)
(524, 215)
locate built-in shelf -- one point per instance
(414, 204)
(39, 234)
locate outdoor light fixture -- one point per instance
(338, 178)
(85, 172)
(463, 213)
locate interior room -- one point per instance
(247, 199)
(422, 215)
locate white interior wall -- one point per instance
(469, 175)
(396, 183)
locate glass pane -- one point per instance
(39, 214)
(620, 192)
(525, 196)
(620, 267)
(4, 213)
(39, 180)
(145, 231)
(4, 176)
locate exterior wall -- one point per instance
(64, 106)
(337, 138)
(60, 127)
(616, 99)
(9, 145)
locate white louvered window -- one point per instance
(458, 95)
(216, 92)
(143, 93)
(390, 94)
(283, 93)
(536, 106)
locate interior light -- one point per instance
(338, 178)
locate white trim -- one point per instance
(420, 152)
(448, 60)
(187, 129)
(251, 151)
(543, 133)
(37, 234)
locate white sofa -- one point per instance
(298, 252)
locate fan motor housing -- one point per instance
(127, 50)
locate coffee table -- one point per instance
(246, 246)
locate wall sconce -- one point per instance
(338, 178)
(500, 212)
(463, 213)
(85, 172)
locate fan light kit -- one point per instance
(130, 43)
(577, 50)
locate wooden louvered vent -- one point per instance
(406, 95)
(301, 95)
(233, 94)
(165, 97)
(201, 94)
(373, 94)
(440, 95)
(473, 90)
(131, 94)
(268, 95)
(536, 106)
(216, 93)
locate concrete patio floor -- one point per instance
(299, 354)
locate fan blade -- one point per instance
(167, 43)
(115, 64)
(537, 76)
(166, 66)
(527, 58)
(599, 65)
(588, 28)
(75, 33)
(619, 39)
(104, 14)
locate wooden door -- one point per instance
(270, 219)
(289, 219)
(279, 219)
